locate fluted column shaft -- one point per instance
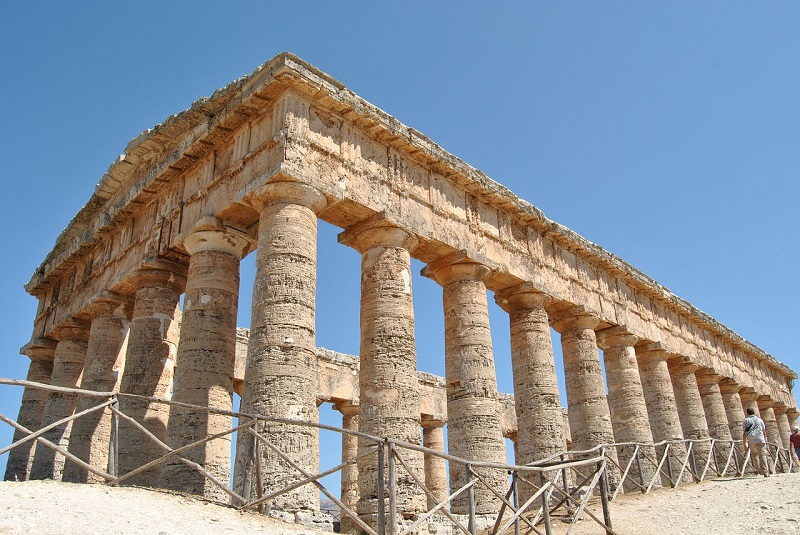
(782, 421)
(206, 355)
(31, 411)
(626, 402)
(690, 406)
(349, 480)
(149, 368)
(729, 391)
(281, 373)
(714, 407)
(536, 397)
(105, 358)
(474, 430)
(67, 371)
(750, 401)
(660, 400)
(768, 415)
(388, 384)
(435, 467)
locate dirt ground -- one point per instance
(727, 506)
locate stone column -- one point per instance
(626, 403)
(41, 352)
(765, 404)
(589, 415)
(729, 390)
(205, 359)
(149, 368)
(782, 421)
(749, 400)
(349, 481)
(690, 407)
(105, 358)
(536, 398)
(660, 400)
(281, 373)
(67, 370)
(435, 467)
(474, 431)
(389, 388)
(714, 407)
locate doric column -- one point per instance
(536, 398)
(105, 358)
(67, 370)
(31, 410)
(349, 480)
(690, 406)
(435, 467)
(660, 400)
(388, 384)
(626, 402)
(714, 407)
(205, 359)
(281, 373)
(749, 400)
(765, 404)
(729, 390)
(149, 368)
(782, 421)
(474, 431)
(589, 415)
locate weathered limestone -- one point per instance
(389, 389)
(784, 429)
(690, 408)
(473, 424)
(714, 407)
(749, 400)
(205, 359)
(149, 367)
(435, 466)
(626, 403)
(31, 411)
(729, 390)
(349, 474)
(281, 374)
(68, 362)
(105, 359)
(660, 400)
(537, 400)
(765, 405)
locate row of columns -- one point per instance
(652, 395)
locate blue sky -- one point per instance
(664, 132)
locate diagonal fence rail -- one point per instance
(545, 497)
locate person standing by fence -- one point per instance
(794, 439)
(754, 437)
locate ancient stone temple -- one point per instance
(251, 170)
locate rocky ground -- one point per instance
(738, 505)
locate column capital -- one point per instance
(652, 352)
(377, 231)
(109, 304)
(748, 394)
(575, 317)
(153, 277)
(729, 386)
(780, 407)
(459, 270)
(765, 401)
(678, 365)
(347, 408)
(211, 234)
(792, 413)
(616, 336)
(522, 295)
(707, 377)
(39, 349)
(430, 422)
(71, 329)
(287, 193)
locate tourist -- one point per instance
(754, 438)
(794, 440)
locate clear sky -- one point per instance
(667, 133)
